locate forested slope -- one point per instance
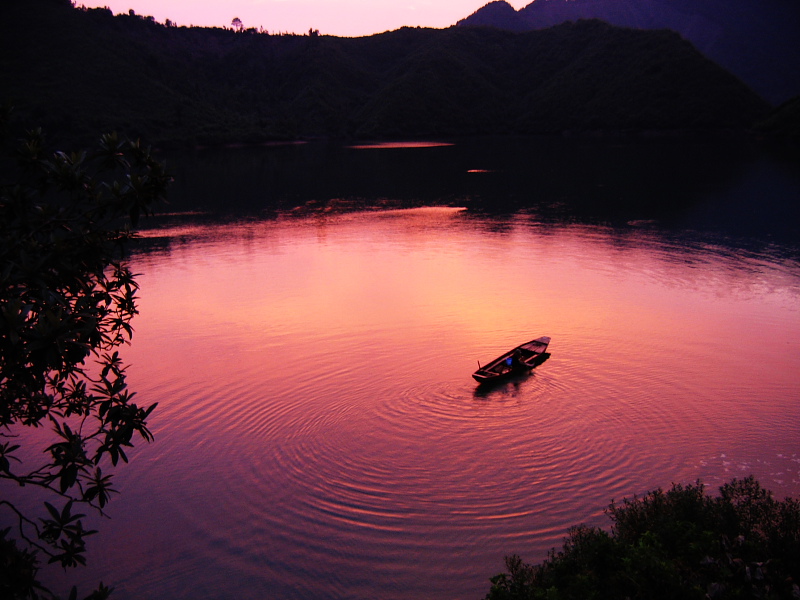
(755, 40)
(77, 72)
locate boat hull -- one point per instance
(518, 360)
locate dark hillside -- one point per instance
(78, 72)
(784, 121)
(756, 40)
(594, 79)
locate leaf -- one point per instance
(65, 513)
(53, 511)
(68, 477)
(5, 450)
(101, 593)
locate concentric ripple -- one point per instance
(319, 434)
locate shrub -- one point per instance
(681, 543)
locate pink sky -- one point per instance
(333, 17)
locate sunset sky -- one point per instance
(332, 17)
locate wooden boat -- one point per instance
(517, 360)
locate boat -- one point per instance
(521, 359)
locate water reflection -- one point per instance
(319, 433)
(319, 422)
(739, 192)
(510, 385)
(397, 145)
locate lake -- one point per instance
(311, 316)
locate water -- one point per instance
(319, 434)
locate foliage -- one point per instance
(681, 543)
(88, 70)
(66, 303)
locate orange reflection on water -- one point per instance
(317, 412)
(397, 145)
(413, 286)
(349, 330)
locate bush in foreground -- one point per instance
(681, 543)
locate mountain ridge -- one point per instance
(82, 71)
(757, 41)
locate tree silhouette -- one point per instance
(237, 24)
(66, 303)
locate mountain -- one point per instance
(499, 14)
(755, 40)
(784, 121)
(78, 72)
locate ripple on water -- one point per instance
(336, 453)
